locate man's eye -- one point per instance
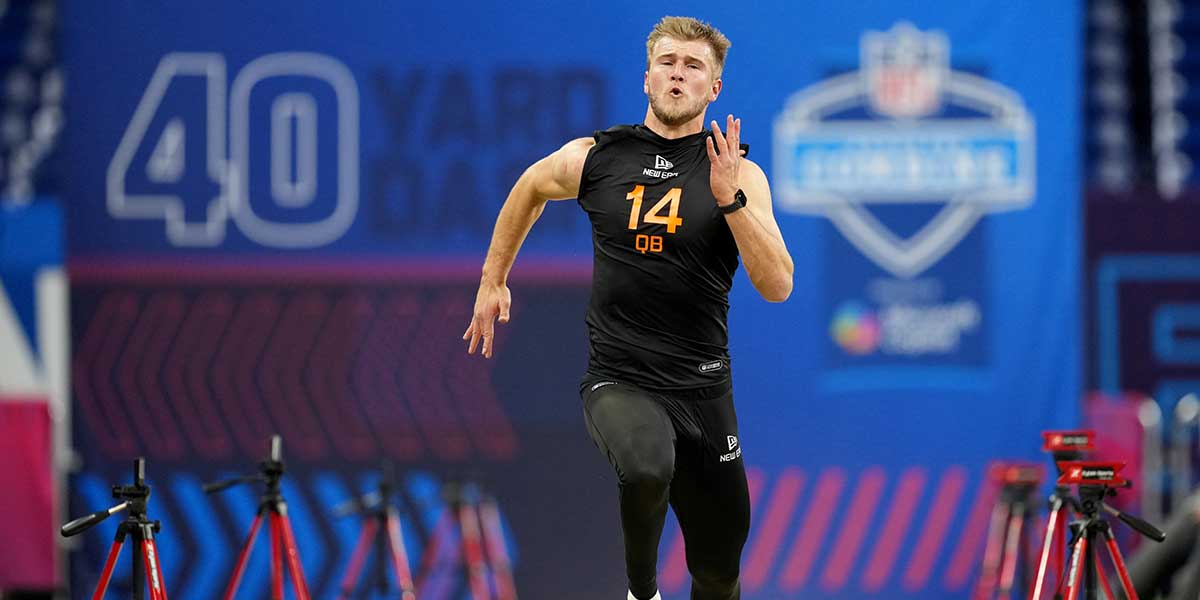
(694, 66)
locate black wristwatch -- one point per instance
(739, 202)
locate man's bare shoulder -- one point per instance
(568, 163)
(578, 148)
(556, 177)
(581, 143)
(752, 173)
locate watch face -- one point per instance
(740, 197)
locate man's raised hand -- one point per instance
(723, 175)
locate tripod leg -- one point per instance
(276, 560)
(501, 566)
(109, 564)
(1100, 575)
(153, 569)
(404, 579)
(1061, 555)
(154, 550)
(1074, 577)
(473, 553)
(150, 579)
(1012, 551)
(1029, 554)
(240, 568)
(292, 554)
(434, 549)
(358, 558)
(1049, 546)
(1119, 564)
(992, 554)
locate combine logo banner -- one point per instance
(904, 129)
(904, 156)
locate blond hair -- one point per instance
(688, 29)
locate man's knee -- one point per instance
(647, 472)
(647, 461)
(716, 582)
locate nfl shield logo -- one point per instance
(904, 128)
(905, 70)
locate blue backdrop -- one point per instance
(342, 168)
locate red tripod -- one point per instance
(1007, 540)
(477, 521)
(1063, 446)
(283, 541)
(1096, 481)
(381, 527)
(134, 499)
(1054, 544)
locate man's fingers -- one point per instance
(737, 132)
(489, 334)
(721, 146)
(486, 350)
(467, 333)
(474, 341)
(712, 154)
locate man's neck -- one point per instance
(696, 125)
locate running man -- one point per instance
(673, 206)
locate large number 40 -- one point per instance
(293, 138)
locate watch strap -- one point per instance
(739, 202)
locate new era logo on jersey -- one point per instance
(735, 449)
(660, 169)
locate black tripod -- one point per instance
(381, 529)
(1097, 482)
(145, 559)
(283, 541)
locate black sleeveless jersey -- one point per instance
(664, 261)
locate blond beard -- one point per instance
(678, 118)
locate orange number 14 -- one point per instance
(672, 220)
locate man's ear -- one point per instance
(716, 90)
(646, 83)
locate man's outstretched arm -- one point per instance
(555, 177)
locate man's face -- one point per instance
(680, 81)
